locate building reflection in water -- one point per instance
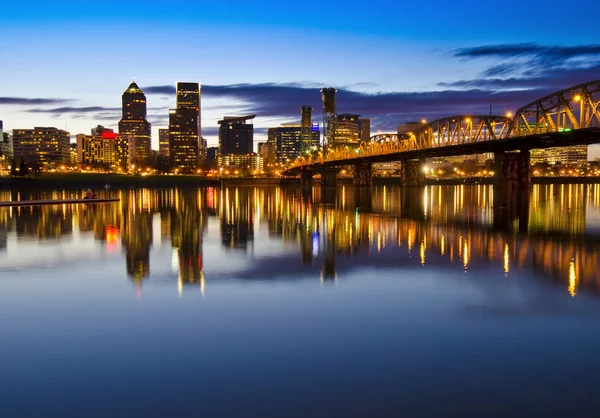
(441, 225)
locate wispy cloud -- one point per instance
(528, 50)
(71, 109)
(24, 101)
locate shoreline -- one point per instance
(99, 181)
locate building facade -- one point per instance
(287, 141)
(41, 145)
(573, 155)
(184, 127)
(134, 124)
(163, 142)
(350, 130)
(236, 137)
(252, 162)
(104, 147)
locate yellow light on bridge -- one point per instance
(509, 114)
(468, 120)
(423, 121)
(577, 98)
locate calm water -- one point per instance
(247, 302)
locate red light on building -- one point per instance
(109, 135)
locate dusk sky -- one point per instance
(66, 63)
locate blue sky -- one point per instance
(67, 63)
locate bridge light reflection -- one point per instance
(506, 259)
(572, 279)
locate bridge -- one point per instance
(564, 118)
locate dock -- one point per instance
(16, 203)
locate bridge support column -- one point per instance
(328, 177)
(411, 173)
(363, 175)
(512, 169)
(306, 179)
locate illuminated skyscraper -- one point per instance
(236, 136)
(163, 142)
(287, 140)
(134, 125)
(184, 127)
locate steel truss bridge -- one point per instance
(567, 117)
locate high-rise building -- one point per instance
(365, 129)
(236, 136)
(134, 124)
(42, 145)
(350, 130)
(572, 155)
(103, 147)
(163, 142)
(6, 148)
(184, 127)
(287, 141)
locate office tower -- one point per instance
(103, 149)
(365, 129)
(236, 136)
(6, 148)
(349, 130)
(42, 145)
(163, 142)
(134, 124)
(287, 141)
(184, 127)
(73, 154)
(212, 153)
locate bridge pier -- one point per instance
(306, 179)
(363, 175)
(411, 174)
(328, 177)
(510, 205)
(512, 169)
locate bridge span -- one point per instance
(564, 118)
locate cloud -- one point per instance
(164, 90)
(78, 110)
(386, 109)
(528, 50)
(27, 101)
(530, 66)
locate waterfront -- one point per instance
(270, 301)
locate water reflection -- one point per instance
(331, 231)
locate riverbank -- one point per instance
(100, 181)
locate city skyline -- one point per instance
(407, 68)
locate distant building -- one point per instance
(163, 142)
(287, 141)
(134, 124)
(350, 130)
(408, 127)
(103, 147)
(42, 145)
(73, 154)
(252, 162)
(6, 147)
(184, 127)
(203, 147)
(573, 155)
(236, 137)
(365, 129)
(212, 153)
